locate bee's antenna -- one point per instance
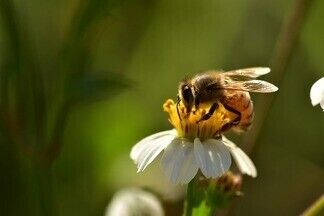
(178, 103)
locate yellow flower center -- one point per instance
(188, 124)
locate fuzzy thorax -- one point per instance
(188, 126)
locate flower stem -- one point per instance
(316, 208)
(204, 198)
(191, 207)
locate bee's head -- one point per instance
(186, 94)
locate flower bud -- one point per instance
(230, 184)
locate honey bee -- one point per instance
(230, 88)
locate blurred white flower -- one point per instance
(317, 93)
(134, 202)
(182, 158)
(127, 175)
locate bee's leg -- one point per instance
(229, 125)
(210, 112)
(226, 127)
(235, 122)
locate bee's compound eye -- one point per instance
(187, 94)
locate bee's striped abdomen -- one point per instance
(241, 103)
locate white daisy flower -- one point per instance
(317, 93)
(134, 202)
(191, 147)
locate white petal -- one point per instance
(138, 147)
(243, 162)
(151, 151)
(317, 92)
(178, 161)
(149, 148)
(212, 157)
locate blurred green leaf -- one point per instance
(92, 11)
(89, 87)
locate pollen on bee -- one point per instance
(188, 125)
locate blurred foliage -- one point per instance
(63, 154)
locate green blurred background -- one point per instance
(81, 81)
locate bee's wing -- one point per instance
(259, 86)
(248, 72)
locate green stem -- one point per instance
(316, 208)
(189, 200)
(203, 199)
